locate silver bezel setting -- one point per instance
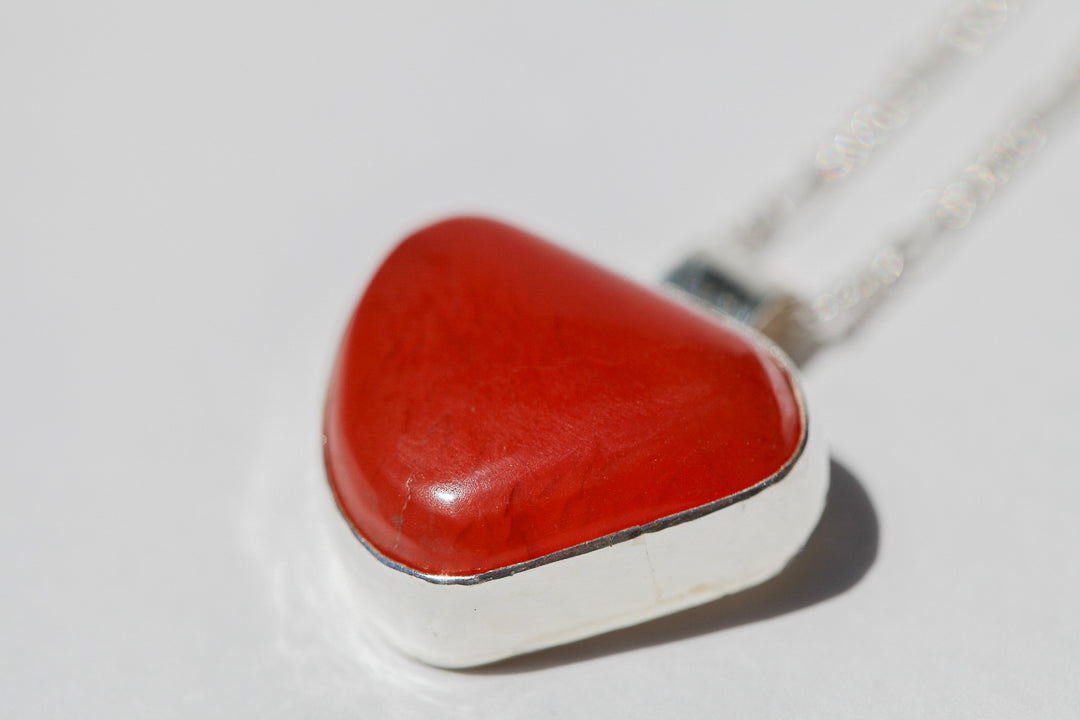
(613, 581)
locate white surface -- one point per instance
(193, 196)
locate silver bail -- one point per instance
(733, 285)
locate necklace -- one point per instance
(728, 277)
(529, 450)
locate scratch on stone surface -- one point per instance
(584, 478)
(652, 571)
(514, 490)
(401, 517)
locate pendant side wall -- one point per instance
(623, 584)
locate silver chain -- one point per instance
(963, 34)
(834, 313)
(840, 309)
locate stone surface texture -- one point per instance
(497, 399)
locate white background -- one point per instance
(194, 195)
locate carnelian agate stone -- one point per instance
(497, 399)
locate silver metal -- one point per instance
(728, 277)
(835, 313)
(728, 281)
(962, 34)
(615, 581)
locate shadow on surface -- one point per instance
(838, 554)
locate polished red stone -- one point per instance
(497, 399)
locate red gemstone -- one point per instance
(497, 399)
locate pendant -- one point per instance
(528, 450)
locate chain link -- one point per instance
(836, 312)
(963, 33)
(833, 314)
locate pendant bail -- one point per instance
(732, 284)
